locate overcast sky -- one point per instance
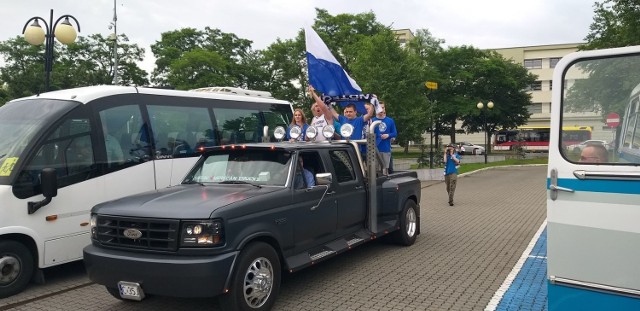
(481, 23)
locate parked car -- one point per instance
(580, 146)
(469, 148)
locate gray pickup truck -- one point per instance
(244, 214)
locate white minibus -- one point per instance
(593, 202)
(63, 152)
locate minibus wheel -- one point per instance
(16, 267)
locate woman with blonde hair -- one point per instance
(301, 121)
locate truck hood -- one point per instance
(181, 202)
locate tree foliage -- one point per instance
(88, 61)
(616, 23)
(467, 76)
(190, 58)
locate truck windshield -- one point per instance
(20, 124)
(256, 166)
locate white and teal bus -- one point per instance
(593, 203)
(63, 152)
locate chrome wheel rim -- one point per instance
(258, 282)
(411, 221)
(9, 269)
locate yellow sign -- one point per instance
(7, 166)
(431, 85)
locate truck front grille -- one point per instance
(139, 233)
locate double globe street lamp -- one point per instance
(35, 35)
(481, 107)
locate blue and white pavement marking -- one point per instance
(525, 288)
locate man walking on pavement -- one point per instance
(451, 160)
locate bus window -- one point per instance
(121, 127)
(179, 130)
(238, 125)
(68, 149)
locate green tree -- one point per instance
(397, 76)
(469, 75)
(203, 58)
(616, 23)
(88, 61)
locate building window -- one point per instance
(535, 108)
(536, 86)
(550, 85)
(553, 61)
(533, 63)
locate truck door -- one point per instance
(315, 211)
(350, 192)
(593, 209)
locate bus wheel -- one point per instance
(256, 280)
(16, 267)
(408, 231)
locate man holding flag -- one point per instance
(327, 76)
(349, 115)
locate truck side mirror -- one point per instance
(49, 183)
(324, 178)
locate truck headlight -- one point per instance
(201, 233)
(93, 223)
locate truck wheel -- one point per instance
(16, 267)
(406, 235)
(256, 280)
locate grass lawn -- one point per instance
(469, 167)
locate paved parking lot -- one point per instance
(463, 256)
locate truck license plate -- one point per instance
(130, 290)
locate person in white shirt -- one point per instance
(320, 119)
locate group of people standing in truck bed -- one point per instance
(324, 115)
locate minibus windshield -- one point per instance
(21, 122)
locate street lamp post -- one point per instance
(64, 32)
(481, 106)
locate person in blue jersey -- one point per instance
(300, 120)
(451, 160)
(383, 138)
(348, 117)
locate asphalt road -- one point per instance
(462, 256)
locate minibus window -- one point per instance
(21, 123)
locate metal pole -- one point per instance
(373, 180)
(48, 52)
(115, 45)
(486, 133)
(431, 136)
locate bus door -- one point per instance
(593, 199)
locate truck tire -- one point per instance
(16, 267)
(255, 281)
(407, 233)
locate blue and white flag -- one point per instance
(327, 76)
(325, 73)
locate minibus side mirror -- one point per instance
(49, 182)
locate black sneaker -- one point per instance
(450, 203)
